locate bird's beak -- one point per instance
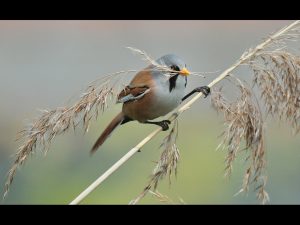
(184, 72)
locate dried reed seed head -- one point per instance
(167, 164)
(54, 122)
(243, 121)
(277, 74)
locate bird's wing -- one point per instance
(132, 93)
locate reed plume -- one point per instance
(166, 166)
(244, 132)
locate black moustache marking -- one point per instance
(172, 81)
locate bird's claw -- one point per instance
(164, 124)
(204, 89)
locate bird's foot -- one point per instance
(204, 89)
(164, 124)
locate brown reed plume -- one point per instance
(277, 74)
(244, 123)
(166, 166)
(54, 122)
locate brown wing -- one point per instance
(131, 93)
(139, 86)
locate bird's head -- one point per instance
(174, 63)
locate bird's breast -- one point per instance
(167, 99)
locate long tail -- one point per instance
(108, 130)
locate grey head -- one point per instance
(175, 63)
(172, 61)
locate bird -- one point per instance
(152, 93)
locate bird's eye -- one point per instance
(174, 67)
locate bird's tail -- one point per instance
(108, 130)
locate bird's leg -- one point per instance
(164, 124)
(204, 89)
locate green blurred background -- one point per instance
(44, 63)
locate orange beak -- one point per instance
(184, 72)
